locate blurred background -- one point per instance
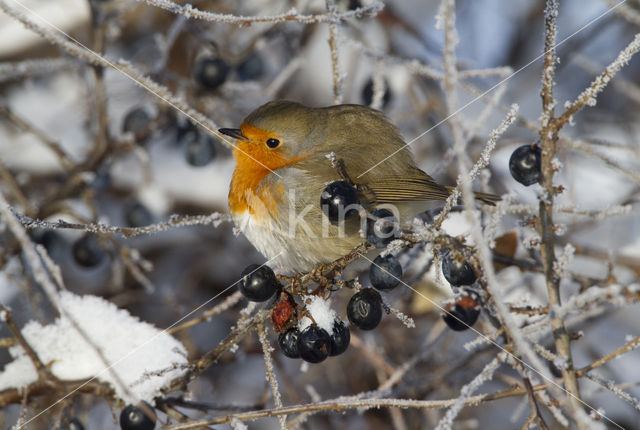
(86, 144)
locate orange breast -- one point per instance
(254, 162)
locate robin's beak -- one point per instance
(236, 133)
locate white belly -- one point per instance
(278, 245)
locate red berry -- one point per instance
(284, 312)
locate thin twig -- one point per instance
(270, 374)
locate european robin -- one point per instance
(285, 156)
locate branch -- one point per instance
(174, 221)
(549, 138)
(588, 96)
(341, 405)
(292, 15)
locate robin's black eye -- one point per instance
(273, 143)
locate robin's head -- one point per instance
(277, 134)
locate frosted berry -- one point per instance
(457, 272)
(462, 313)
(87, 251)
(314, 344)
(251, 68)
(211, 72)
(365, 309)
(288, 342)
(367, 93)
(340, 338)
(525, 164)
(381, 227)
(137, 215)
(339, 201)
(258, 283)
(134, 418)
(385, 272)
(135, 121)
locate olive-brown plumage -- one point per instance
(284, 154)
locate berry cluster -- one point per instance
(311, 343)
(198, 148)
(339, 202)
(301, 336)
(463, 311)
(211, 71)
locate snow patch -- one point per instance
(321, 312)
(144, 358)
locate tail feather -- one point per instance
(487, 198)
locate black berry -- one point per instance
(137, 215)
(258, 283)
(339, 201)
(53, 242)
(385, 272)
(365, 309)
(524, 164)
(457, 272)
(314, 344)
(251, 68)
(87, 251)
(134, 418)
(135, 121)
(340, 338)
(288, 342)
(186, 133)
(199, 152)
(463, 312)
(211, 72)
(381, 227)
(367, 93)
(102, 180)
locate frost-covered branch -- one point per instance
(189, 11)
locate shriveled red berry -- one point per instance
(284, 312)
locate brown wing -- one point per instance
(416, 186)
